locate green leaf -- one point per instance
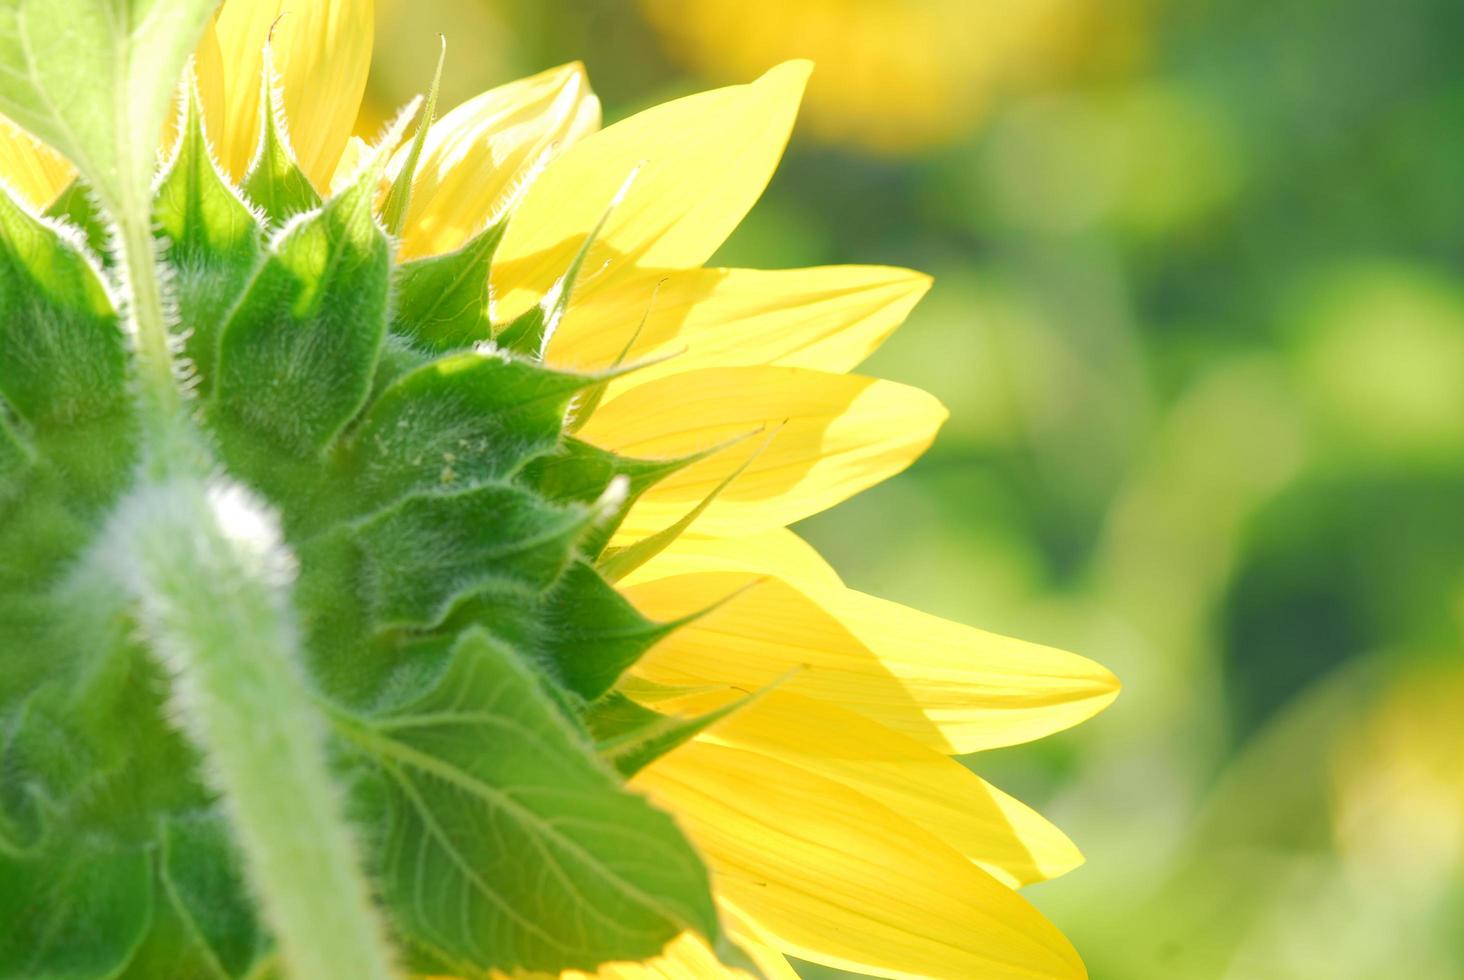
(442, 301)
(275, 182)
(94, 78)
(630, 736)
(62, 353)
(299, 353)
(611, 877)
(203, 927)
(212, 240)
(431, 551)
(204, 881)
(460, 420)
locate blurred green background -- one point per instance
(1199, 321)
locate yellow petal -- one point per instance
(827, 319)
(476, 154)
(757, 942)
(950, 687)
(794, 559)
(30, 168)
(825, 438)
(322, 52)
(840, 879)
(356, 151)
(1009, 840)
(700, 163)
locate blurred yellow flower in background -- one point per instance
(894, 75)
(1399, 805)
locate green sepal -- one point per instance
(531, 331)
(398, 357)
(585, 406)
(617, 563)
(298, 355)
(95, 751)
(653, 692)
(592, 633)
(94, 766)
(734, 957)
(42, 767)
(442, 301)
(77, 205)
(211, 239)
(615, 878)
(69, 426)
(429, 552)
(579, 471)
(460, 420)
(62, 353)
(274, 181)
(630, 736)
(16, 458)
(399, 196)
(77, 890)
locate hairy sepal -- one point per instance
(211, 240)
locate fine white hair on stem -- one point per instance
(205, 566)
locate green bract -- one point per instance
(460, 646)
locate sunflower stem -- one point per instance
(160, 403)
(210, 575)
(206, 568)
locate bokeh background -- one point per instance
(1199, 318)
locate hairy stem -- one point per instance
(205, 566)
(209, 573)
(157, 389)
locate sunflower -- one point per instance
(799, 732)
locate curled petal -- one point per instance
(476, 154)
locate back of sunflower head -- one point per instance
(299, 603)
